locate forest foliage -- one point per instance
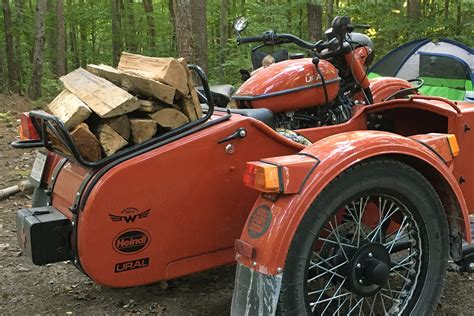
(96, 31)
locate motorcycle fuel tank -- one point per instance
(289, 86)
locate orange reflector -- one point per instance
(262, 177)
(453, 144)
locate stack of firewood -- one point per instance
(108, 109)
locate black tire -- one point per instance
(427, 234)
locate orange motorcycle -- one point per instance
(332, 193)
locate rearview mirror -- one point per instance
(240, 24)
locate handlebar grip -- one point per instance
(251, 39)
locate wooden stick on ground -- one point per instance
(22, 186)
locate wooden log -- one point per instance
(120, 124)
(146, 87)
(169, 118)
(166, 70)
(102, 96)
(148, 106)
(69, 109)
(86, 142)
(188, 105)
(110, 140)
(142, 130)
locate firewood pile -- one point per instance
(107, 109)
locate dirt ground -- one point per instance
(61, 289)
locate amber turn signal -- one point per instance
(453, 144)
(262, 176)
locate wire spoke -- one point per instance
(364, 222)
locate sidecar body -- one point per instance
(178, 204)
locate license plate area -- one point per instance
(38, 169)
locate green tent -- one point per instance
(446, 66)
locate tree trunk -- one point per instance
(223, 26)
(182, 13)
(329, 12)
(73, 36)
(12, 58)
(446, 10)
(199, 33)
(37, 71)
(2, 73)
(413, 9)
(60, 39)
(151, 32)
(315, 19)
(173, 25)
(50, 36)
(116, 33)
(459, 17)
(131, 34)
(18, 23)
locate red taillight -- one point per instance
(27, 130)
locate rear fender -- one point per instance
(266, 252)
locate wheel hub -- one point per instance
(368, 269)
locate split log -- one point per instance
(102, 96)
(86, 142)
(191, 105)
(110, 140)
(135, 83)
(142, 130)
(148, 106)
(120, 124)
(69, 109)
(169, 118)
(166, 70)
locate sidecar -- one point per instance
(373, 206)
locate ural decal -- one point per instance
(131, 241)
(132, 265)
(259, 221)
(129, 215)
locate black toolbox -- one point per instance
(44, 234)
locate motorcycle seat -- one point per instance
(220, 93)
(263, 115)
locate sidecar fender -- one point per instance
(261, 251)
(278, 216)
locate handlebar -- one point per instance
(273, 39)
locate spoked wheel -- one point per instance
(373, 243)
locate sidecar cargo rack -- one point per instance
(47, 124)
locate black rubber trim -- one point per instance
(280, 174)
(432, 150)
(318, 161)
(97, 175)
(24, 144)
(274, 94)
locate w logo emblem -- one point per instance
(129, 218)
